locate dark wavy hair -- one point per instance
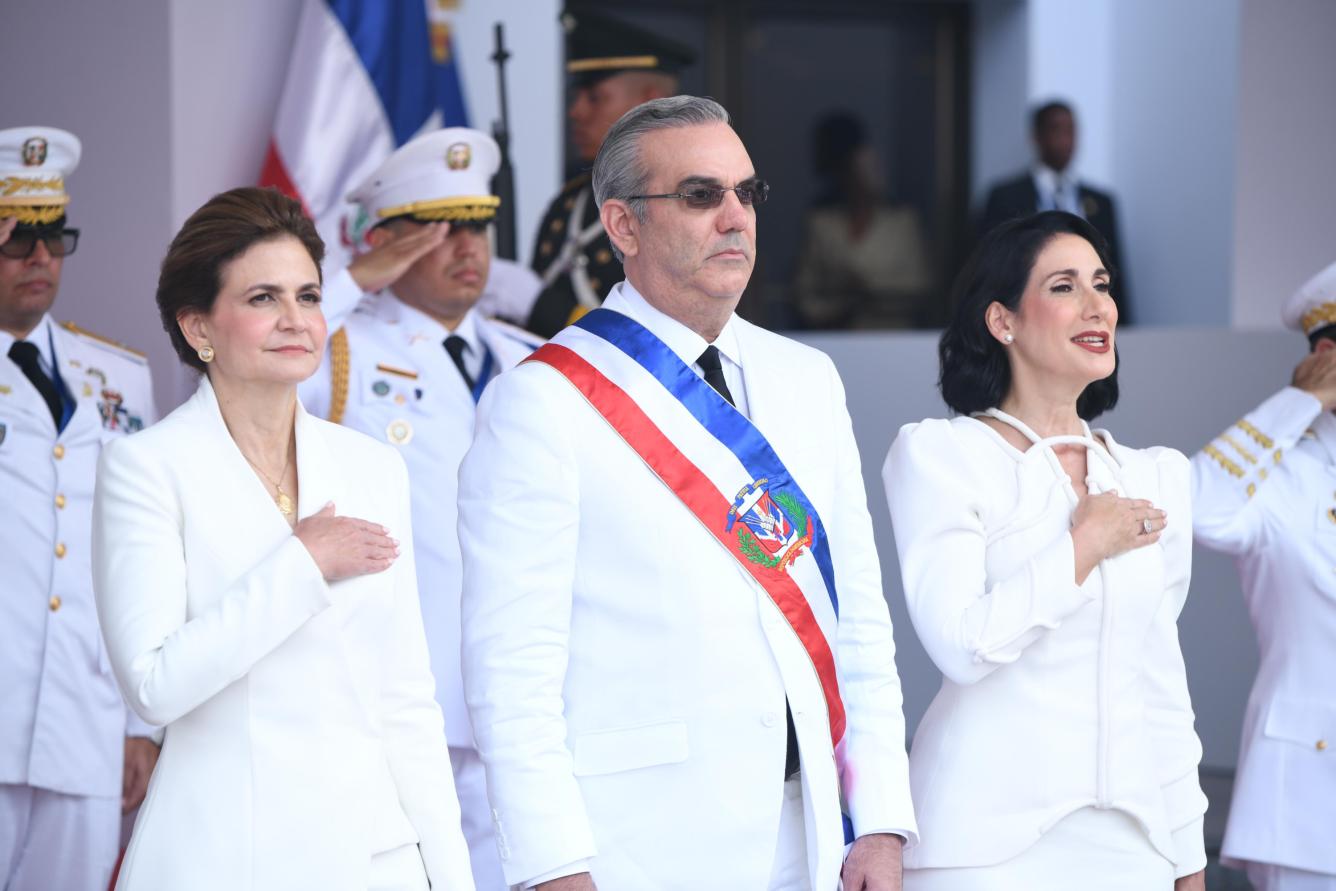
(224, 228)
(975, 371)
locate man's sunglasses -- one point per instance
(750, 192)
(21, 244)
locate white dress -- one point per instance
(1060, 751)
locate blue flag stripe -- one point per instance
(714, 413)
(390, 37)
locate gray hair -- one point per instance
(618, 171)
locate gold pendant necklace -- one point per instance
(286, 507)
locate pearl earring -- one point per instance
(1008, 338)
(206, 354)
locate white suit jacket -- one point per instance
(63, 722)
(403, 388)
(1055, 696)
(626, 679)
(302, 736)
(1265, 492)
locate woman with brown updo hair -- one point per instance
(254, 576)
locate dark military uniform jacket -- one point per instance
(574, 259)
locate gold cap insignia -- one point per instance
(458, 156)
(34, 152)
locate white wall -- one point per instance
(534, 90)
(101, 71)
(1285, 191)
(1176, 111)
(1000, 138)
(1070, 56)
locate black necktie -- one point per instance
(455, 346)
(714, 376)
(26, 357)
(714, 372)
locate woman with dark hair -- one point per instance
(253, 600)
(1045, 566)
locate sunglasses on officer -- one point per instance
(750, 192)
(60, 242)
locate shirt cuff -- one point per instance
(570, 869)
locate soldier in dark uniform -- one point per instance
(614, 67)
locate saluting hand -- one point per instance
(7, 228)
(344, 547)
(1106, 525)
(1316, 374)
(386, 263)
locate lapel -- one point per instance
(318, 477)
(762, 400)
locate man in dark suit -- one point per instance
(1052, 184)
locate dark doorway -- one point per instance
(781, 67)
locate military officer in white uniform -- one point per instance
(408, 366)
(67, 768)
(1265, 492)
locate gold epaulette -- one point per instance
(84, 332)
(1238, 447)
(340, 367)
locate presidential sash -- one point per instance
(720, 466)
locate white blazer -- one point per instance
(626, 679)
(1265, 492)
(1056, 696)
(302, 736)
(403, 388)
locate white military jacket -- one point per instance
(1265, 492)
(62, 720)
(1056, 696)
(387, 374)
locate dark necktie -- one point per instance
(714, 376)
(714, 372)
(26, 357)
(455, 346)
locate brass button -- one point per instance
(54, 602)
(557, 225)
(60, 500)
(58, 451)
(1322, 745)
(60, 550)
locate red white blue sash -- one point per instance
(719, 465)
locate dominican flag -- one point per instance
(365, 77)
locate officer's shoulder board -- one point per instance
(114, 347)
(513, 332)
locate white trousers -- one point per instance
(1092, 850)
(1270, 877)
(789, 872)
(50, 840)
(476, 819)
(399, 869)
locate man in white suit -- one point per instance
(1263, 492)
(407, 366)
(72, 756)
(677, 655)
